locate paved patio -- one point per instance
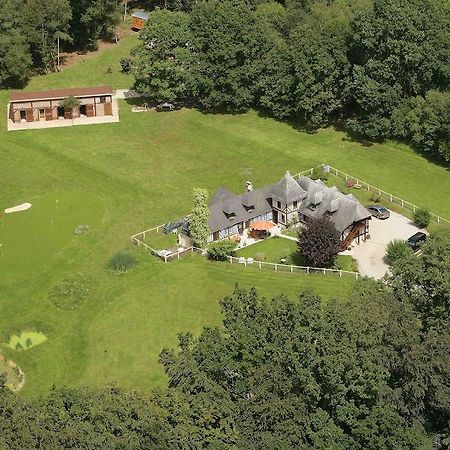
(370, 255)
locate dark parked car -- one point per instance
(380, 212)
(165, 107)
(172, 227)
(415, 240)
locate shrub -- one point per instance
(260, 256)
(69, 102)
(397, 249)
(319, 174)
(121, 262)
(221, 250)
(375, 198)
(125, 64)
(28, 343)
(422, 217)
(19, 346)
(71, 292)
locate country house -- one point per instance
(284, 203)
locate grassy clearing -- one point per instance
(26, 340)
(141, 172)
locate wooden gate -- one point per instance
(90, 110)
(48, 113)
(67, 113)
(29, 115)
(108, 109)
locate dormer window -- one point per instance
(230, 215)
(295, 205)
(249, 208)
(334, 205)
(279, 205)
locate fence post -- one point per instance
(340, 274)
(276, 267)
(438, 218)
(165, 259)
(230, 258)
(178, 255)
(402, 204)
(260, 266)
(356, 275)
(324, 271)
(291, 269)
(307, 270)
(390, 197)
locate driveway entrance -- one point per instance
(370, 254)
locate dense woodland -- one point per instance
(380, 69)
(29, 32)
(371, 372)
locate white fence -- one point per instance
(392, 198)
(290, 268)
(383, 194)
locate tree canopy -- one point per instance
(380, 68)
(368, 372)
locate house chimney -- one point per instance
(249, 186)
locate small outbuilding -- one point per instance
(139, 19)
(46, 105)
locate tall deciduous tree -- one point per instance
(229, 46)
(425, 122)
(400, 48)
(322, 71)
(15, 58)
(425, 281)
(44, 22)
(92, 19)
(295, 374)
(319, 243)
(162, 63)
(198, 222)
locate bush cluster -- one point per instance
(122, 261)
(422, 217)
(221, 250)
(397, 249)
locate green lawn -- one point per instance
(273, 250)
(140, 173)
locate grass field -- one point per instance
(140, 172)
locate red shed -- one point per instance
(139, 19)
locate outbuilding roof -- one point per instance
(141, 15)
(21, 96)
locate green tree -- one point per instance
(400, 49)
(229, 45)
(44, 22)
(425, 122)
(15, 57)
(198, 222)
(322, 71)
(161, 64)
(296, 374)
(93, 19)
(425, 281)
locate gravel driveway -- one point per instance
(370, 254)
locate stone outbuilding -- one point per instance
(44, 106)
